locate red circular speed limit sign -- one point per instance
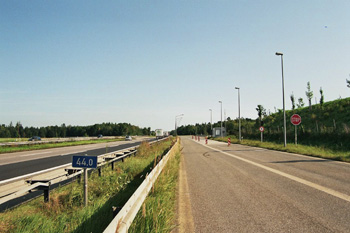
(295, 119)
(261, 128)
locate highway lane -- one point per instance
(16, 157)
(22, 163)
(246, 189)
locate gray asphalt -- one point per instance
(22, 163)
(231, 195)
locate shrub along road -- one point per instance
(248, 189)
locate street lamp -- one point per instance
(284, 110)
(239, 114)
(221, 119)
(211, 119)
(181, 115)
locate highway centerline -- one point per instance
(291, 177)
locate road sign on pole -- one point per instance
(261, 129)
(85, 162)
(295, 120)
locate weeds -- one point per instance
(158, 211)
(66, 212)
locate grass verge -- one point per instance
(315, 151)
(158, 211)
(11, 149)
(12, 139)
(65, 211)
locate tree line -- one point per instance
(106, 129)
(231, 126)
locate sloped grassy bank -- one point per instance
(66, 212)
(316, 151)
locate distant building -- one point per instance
(217, 132)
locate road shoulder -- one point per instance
(184, 211)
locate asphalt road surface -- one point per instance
(22, 163)
(247, 189)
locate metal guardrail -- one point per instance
(70, 173)
(126, 215)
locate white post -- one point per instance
(85, 187)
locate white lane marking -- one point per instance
(70, 153)
(35, 154)
(287, 153)
(32, 174)
(297, 179)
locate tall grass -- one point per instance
(65, 211)
(158, 211)
(316, 151)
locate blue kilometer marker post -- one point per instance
(85, 162)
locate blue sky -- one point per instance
(144, 62)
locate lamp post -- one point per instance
(239, 115)
(181, 115)
(284, 110)
(221, 119)
(211, 120)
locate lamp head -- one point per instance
(279, 54)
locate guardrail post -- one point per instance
(100, 171)
(47, 193)
(112, 165)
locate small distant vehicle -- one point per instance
(35, 138)
(128, 138)
(159, 133)
(99, 136)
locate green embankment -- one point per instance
(65, 212)
(326, 126)
(315, 151)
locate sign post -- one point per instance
(261, 129)
(295, 120)
(85, 162)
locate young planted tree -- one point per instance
(309, 94)
(322, 97)
(300, 103)
(293, 101)
(261, 112)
